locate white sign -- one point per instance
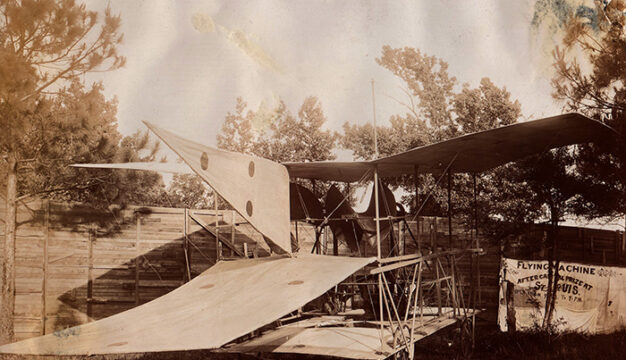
(590, 298)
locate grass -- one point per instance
(490, 343)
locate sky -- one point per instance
(188, 61)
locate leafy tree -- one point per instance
(188, 191)
(436, 110)
(544, 187)
(44, 45)
(430, 87)
(237, 133)
(285, 138)
(590, 78)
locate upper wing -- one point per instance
(472, 153)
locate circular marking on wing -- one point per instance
(118, 344)
(295, 282)
(251, 169)
(249, 208)
(207, 286)
(204, 161)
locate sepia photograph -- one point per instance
(312, 179)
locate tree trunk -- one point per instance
(553, 272)
(548, 301)
(7, 298)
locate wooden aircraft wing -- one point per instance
(225, 302)
(171, 168)
(257, 188)
(472, 153)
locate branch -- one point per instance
(26, 196)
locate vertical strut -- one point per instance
(477, 242)
(378, 254)
(449, 210)
(417, 202)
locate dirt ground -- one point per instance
(489, 343)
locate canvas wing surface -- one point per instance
(472, 153)
(170, 168)
(225, 302)
(257, 188)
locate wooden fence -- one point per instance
(75, 264)
(584, 245)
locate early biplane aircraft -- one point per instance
(397, 298)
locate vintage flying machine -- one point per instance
(259, 305)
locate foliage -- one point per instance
(188, 191)
(590, 78)
(436, 110)
(45, 46)
(279, 136)
(79, 126)
(284, 138)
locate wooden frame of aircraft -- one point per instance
(224, 307)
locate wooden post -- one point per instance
(92, 238)
(617, 241)
(218, 250)
(401, 242)
(417, 201)
(379, 255)
(232, 228)
(437, 264)
(455, 300)
(477, 289)
(449, 210)
(137, 254)
(44, 285)
(581, 235)
(432, 232)
(186, 250)
(624, 240)
(335, 246)
(510, 306)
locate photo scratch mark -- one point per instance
(205, 24)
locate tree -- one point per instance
(237, 133)
(44, 44)
(548, 186)
(543, 187)
(285, 138)
(436, 110)
(590, 78)
(188, 191)
(281, 137)
(430, 88)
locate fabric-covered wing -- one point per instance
(330, 170)
(225, 302)
(171, 168)
(257, 188)
(474, 152)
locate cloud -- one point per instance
(205, 24)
